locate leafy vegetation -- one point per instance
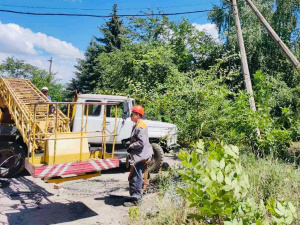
(133, 213)
(217, 186)
(263, 52)
(88, 77)
(272, 179)
(12, 67)
(270, 186)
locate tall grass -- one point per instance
(169, 213)
(269, 178)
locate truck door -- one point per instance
(94, 120)
(124, 123)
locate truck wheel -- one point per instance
(12, 159)
(157, 158)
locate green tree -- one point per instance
(193, 49)
(112, 32)
(87, 74)
(146, 64)
(269, 67)
(16, 68)
(12, 67)
(158, 49)
(262, 52)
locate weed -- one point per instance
(133, 213)
(271, 178)
(163, 180)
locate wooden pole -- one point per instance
(50, 67)
(276, 38)
(246, 73)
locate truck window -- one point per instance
(111, 110)
(94, 110)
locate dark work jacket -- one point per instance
(140, 147)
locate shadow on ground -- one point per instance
(52, 213)
(21, 189)
(33, 206)
(114, 200)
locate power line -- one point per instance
(95, 9)
(43, 7)
(105, 16)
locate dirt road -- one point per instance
(97, 200)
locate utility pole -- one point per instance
(50, 67)
(276, 38)
(246, 73)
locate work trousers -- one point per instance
(136, 182)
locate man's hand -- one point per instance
(125, 142)
(129, 150)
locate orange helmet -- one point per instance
(138, 109)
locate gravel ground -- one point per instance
(97, 200)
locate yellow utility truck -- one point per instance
(82, 141)
(41, 140)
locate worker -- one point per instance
(45, 90)
(140, 151)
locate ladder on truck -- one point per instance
(54, 152)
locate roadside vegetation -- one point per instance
(217, 185)
(12, 67)
(184, 76)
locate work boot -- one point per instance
(131, 203)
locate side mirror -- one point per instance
(145, 116)
(124, 116)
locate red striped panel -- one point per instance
(47, 171)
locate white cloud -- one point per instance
(208, 28)
(36, 48)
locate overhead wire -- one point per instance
(105, 16)
(95, 9)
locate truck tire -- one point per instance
(157, 158)
(12, 159)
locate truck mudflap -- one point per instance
(70, 169)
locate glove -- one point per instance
(129, 150)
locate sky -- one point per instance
(35, 39)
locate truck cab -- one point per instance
(162, 136)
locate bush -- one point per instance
(218, 187)
(203, 105)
